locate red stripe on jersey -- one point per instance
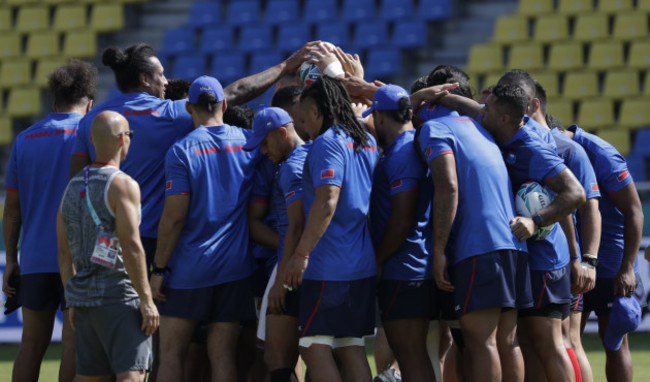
(11, 189)
(82, 155)
(624, 174)
(398, 183)
(329, 173)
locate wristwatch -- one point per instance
(537, 219)
(589, 262)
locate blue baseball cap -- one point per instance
(205, 84)
(624, 317)
(386, 98)
(265, 121)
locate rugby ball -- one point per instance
(310, 72)
(530, 199)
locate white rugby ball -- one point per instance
(310, 72)
(530, 199)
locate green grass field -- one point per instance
(639, 342)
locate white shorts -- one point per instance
(261, 323)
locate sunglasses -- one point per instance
(128, 133)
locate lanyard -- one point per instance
(93, 214)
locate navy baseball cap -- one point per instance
(386, 98)
(624, 317)
(205, 84)
(267, 120)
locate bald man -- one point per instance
(102, 261)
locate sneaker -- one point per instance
(389, 375)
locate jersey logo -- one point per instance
(594, 187)
(624, 174)
(289, 194)
(168, 186)
(397, 184)
(325, 174)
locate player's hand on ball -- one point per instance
(522, 227)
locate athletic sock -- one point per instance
(283, 375)
(574, 362)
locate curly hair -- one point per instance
(448, 74)
(128, 64)
(73, 82)
(241, 116)
(512, 100)
(177, 88)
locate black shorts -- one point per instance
(229, 302)
(260, 277)
(551, 294)
(41, 292)
(400, 300)
(600, 299)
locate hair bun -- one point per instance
(114, 57)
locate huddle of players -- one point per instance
(466, 237)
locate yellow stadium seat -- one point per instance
(630, 25)
(613, 6)
(90, 1)
(643, 5)
(44, 67)
(24, 102)
(15, 73)
(619, 138)
(575, 6)
(535, 7)
(485, 58)
(562, 109)
(565, 56)
(635, 113)
(5, 19)
(492, 79)
(69, 17)
(79, 44)
(596, 114)
(646, 84)
(551, 28)
(511, 29)
(42, 44)
(33, 18)
(10, 46)
(605, 55)
(639, 56)
(591, 26)
(580, 85)
(107, 17)
(621, 84)
(6, 131)
(21, 2)
(526, 56)
(549, 81)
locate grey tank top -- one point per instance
(93, 284)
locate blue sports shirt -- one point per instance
(38, 170)
(264, 192)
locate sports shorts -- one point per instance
(41, 292)
(551, 293)
(406, 299)
(600, 299)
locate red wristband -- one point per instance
(301, 255)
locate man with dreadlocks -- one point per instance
(335, 254)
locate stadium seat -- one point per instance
(15, 73)
(205, 14)
(631, 25)
(42, 44)
(613, 6)
(561, 109)
(260, 61)
(580, 85)
(44, 67)
(336, 32)
(605, 55)
(216, 38)
(550, 29)
(292, 36)
(32, 18)
(228, 66)
(282, 11)
(575, 6)
(596, 114)
(620, 139)
(642, 142)
(535, 7)
(646, 84)
(643, 5)
(397, 10)
(6, 131)
(382, 62)
(621, 84)
(565, 56)
(255, 37)
(21, 2)
(5, 19)
(639, 57)
(636, 165)
(107, 17)
(69, 17)
(189, 66)
(89, 1)
(24, 102)
(485, 58)
(491, 79)
(79, 44)
(526, 56)
(434, 10)
(315, 11)
(243, 12)
(368, 34)
(510, 29)
(635, 113)
(358, 10)
(179, 40)
(590, 27)
(549, 80)
(410, 33)
(10, 45)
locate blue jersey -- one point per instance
(38, 170)
(345, 251)
(613, 175)
(529, 157)
(210, 165)
(157, 124)
(264, 191)
(485, 200)
(399, 170)
(289, 186)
